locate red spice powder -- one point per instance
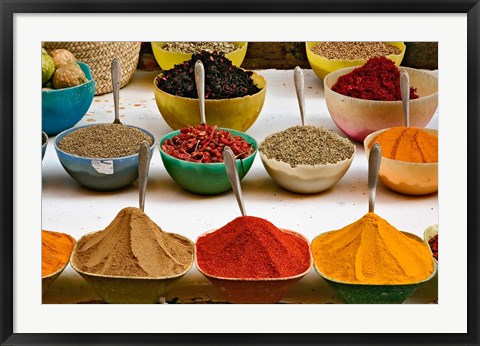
(251, 247)
(378, 79)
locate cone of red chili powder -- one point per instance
(252, 248)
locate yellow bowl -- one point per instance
(168, 60)
(237, 113)
(129, 290)
(323, 66)
(358, 118)
(406, 177)
(254, 291)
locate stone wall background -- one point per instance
(287, 55)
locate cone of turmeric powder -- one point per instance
(371, 251)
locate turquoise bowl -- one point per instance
(63, 108)
(373, 294)
(109, 174)
(205, 178)
(44, 145)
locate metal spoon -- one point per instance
(116, 88)
(300, 89)
(405, 91)
(374, 159)
(232, 172)
(143, 166)
(200, 83)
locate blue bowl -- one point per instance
(44, 145)
(63, 108)
(103, 174)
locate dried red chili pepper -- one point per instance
(378, 79)
(204, 144)
(433, 242)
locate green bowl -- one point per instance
(373, 294)
(205, 178)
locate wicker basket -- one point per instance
(99, 55)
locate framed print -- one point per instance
(338, 144)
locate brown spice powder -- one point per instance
(134, 246)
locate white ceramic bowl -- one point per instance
(406, 177)
(306, 179)
(358, 118)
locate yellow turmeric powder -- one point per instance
(408, 144)
(371, 251)
(56, 250)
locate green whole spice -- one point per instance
(307, 145)
(195, 47)
(104, 141)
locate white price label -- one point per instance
(103, 166)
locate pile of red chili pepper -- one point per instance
(433, 242)
(378, 79)
(251, 247)
(205, 144)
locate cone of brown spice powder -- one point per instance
(133, 246)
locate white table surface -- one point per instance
(70, 208)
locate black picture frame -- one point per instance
(10, 7)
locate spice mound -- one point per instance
(354, 50)
(378, 79)
(195, 47)
(104, 141)
(307, 145)
(133, 246)
(205, 144)
(222, 79)
(251, 247)
(56, 250)
(371, 251)
(408, 144)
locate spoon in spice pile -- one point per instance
(374, 159)
(200, 84)
(116, 88)
(232, 172)
(405, 92)
(143, 166)
(300, 89)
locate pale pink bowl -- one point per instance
(358, 118)
(254, 291)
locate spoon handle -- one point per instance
(405, 91)
(143, 166)
(374, 160)
(200, 83)
(232, 172)
(300, 89)
(116, 88)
